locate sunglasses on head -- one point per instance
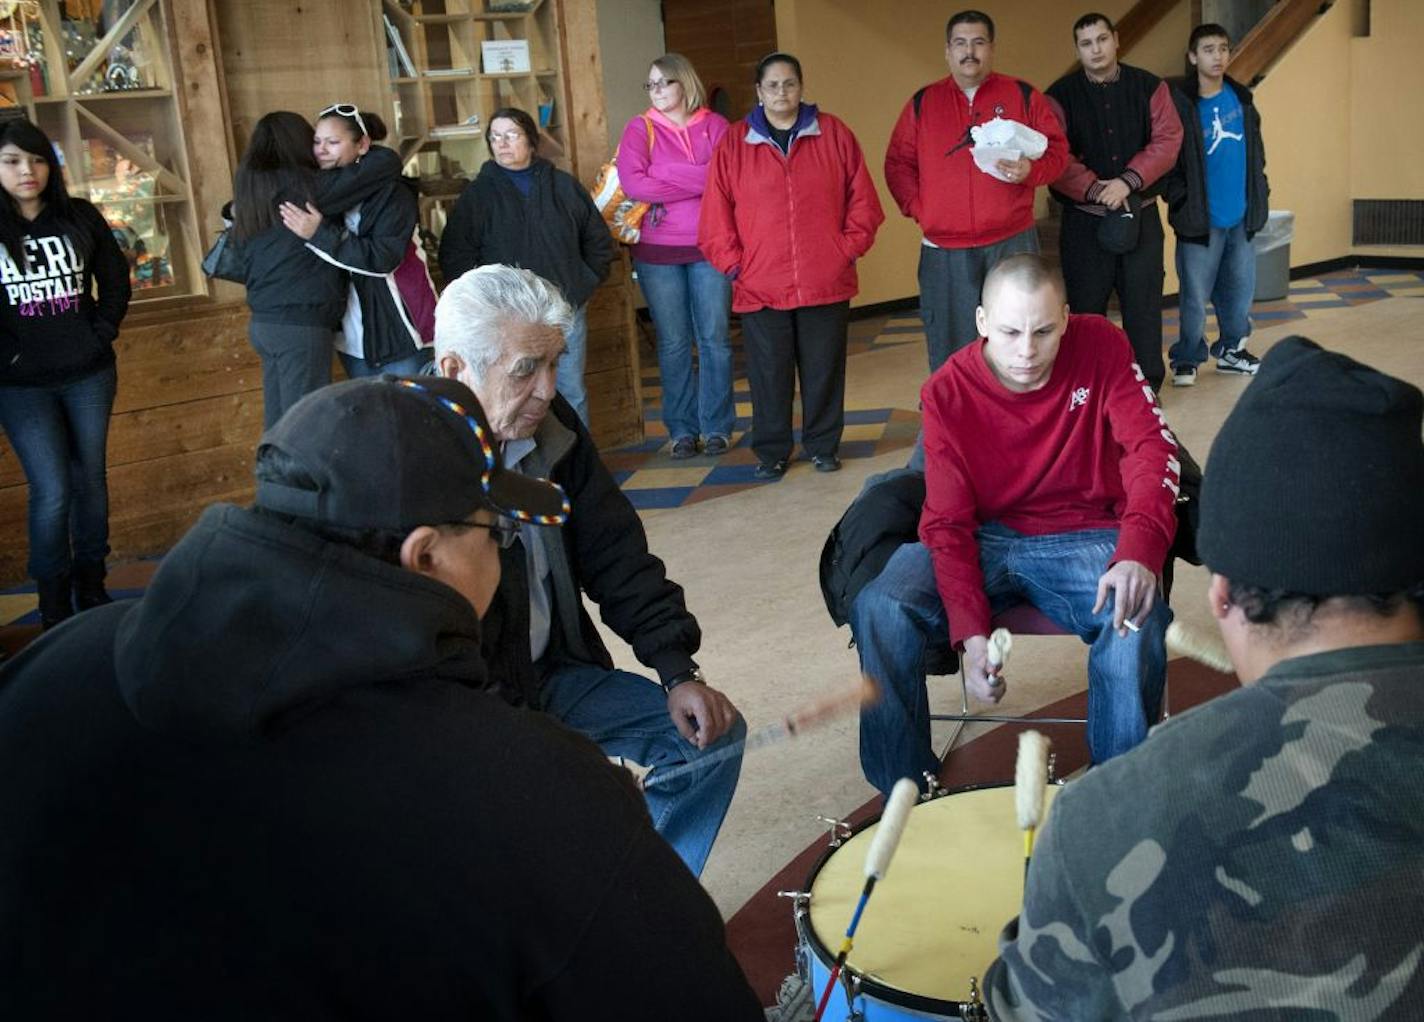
(345, 110)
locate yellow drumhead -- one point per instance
(934, 920)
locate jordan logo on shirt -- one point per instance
(1078, 397)
(1219, 132)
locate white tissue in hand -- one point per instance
(1002, 139)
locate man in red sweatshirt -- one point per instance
(970, 219)
(1051, 477)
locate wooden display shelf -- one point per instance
(122, 94)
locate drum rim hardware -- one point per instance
(840, 830)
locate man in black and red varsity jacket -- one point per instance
(1123, 136)
(1051, 477)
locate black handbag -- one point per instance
(1119, 229)
(224, 260)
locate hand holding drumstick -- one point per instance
(984, 662)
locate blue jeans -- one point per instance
(569, 375)
(691, 303)
(627, 715)
(899, 616)
(411, 365)
(59, 433)
(1223, 270)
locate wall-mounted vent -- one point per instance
(1389, 221)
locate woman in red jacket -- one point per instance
(789, 208)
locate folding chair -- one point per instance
(1020, 619)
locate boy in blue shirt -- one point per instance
(1218, 198)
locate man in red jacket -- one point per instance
(970, 219)
(1051, 477)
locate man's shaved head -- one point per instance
(1027, 273)
(1022, 319)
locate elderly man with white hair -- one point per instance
(500, 331)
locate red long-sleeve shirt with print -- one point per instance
(1089, 450)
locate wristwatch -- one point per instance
(677, 679)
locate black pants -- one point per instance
(1093, 274)
(296, 360)
(781, 344)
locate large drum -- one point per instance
(932, 925)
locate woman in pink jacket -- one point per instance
(663, 159)
(788, 210)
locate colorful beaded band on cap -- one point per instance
(490, 458)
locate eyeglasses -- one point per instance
(508, 137)
(790, 85)
(658, 86)
(345, 110)
(503, 530)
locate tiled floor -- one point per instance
(653, 480)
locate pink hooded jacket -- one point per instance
(672, 175)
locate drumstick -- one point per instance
(1202, 648)
(877, 863)
(1030, 780)
(819, 712)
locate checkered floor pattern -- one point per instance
(653, 480)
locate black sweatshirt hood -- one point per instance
(250, 620)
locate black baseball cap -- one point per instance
(392, 454)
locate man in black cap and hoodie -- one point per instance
(274, 787)
(1260, 856)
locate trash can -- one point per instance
(1272, 249)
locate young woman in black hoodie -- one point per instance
(297, 299)
(66, 288)
(389, 323)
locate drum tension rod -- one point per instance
(840, 829)
(1053, 777)
(851, 983)
(974, 1007)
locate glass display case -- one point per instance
(100, 84)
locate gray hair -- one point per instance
(473, 309)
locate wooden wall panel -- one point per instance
(186, 421)
(202, 98)
(279, 55)
(724, 41)
(583, 88)
(611, 371)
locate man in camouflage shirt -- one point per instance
(1262, 856)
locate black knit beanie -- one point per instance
(1315, 483)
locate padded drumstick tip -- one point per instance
(892, 824)
(1030, 778)
(1197, 646)
(1001, 642)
